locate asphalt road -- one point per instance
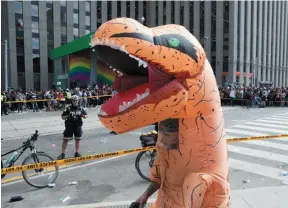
(252, 164)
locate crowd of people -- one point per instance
(230, 95)
(251, 96)
(52, 100)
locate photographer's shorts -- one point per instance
(72, 130)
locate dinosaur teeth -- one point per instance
(117, 46)
(102, 113)
(126, 105)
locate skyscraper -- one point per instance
(245, 42)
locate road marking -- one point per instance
(268, 144)
(258, 153)
(257, 169)
(270, 121)
(277, 131)
(242, 132)
(70, 168)
(268, 125)
(48, 133)
(47, 170)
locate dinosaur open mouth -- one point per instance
(139, 77)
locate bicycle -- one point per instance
(146, 141)
(34, 156)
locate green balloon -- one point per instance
(174, 42)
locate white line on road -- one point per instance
(258, 153)
(267, 125)
(257, 169)
(268, 144)
(279, 119)
(70, 168)
(243, 132)
(256, 128)
(270, 121)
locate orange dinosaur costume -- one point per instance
(167, 79)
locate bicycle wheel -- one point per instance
(147, 159)
(36, 176)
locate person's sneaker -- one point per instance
(77, 154)
(61, 157)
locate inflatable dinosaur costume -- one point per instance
(167, 79)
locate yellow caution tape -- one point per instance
(20, 168)
(46, 100)
(256, 138)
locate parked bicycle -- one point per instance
(146, 157)
(34, 157)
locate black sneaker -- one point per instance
(61, 157)
(77, 154)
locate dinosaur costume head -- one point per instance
(167, 79)
(156, 64)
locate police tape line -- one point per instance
(47, 100)
(256, 138)
(20, 168)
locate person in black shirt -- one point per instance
(73, 115)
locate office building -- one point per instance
(246, 42)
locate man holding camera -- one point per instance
(73, 115)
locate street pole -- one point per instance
(6, 65)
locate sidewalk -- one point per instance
(46, 124)
(267, 197)
(49, 123)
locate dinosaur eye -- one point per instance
(174, 42)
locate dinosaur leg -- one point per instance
(201, 190)
(194, 189)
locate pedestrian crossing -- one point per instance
(264, 158)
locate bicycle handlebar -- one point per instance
(35, 136)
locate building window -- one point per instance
(87, 20)
(75, 5)
(63, 3)
(87, 32)
(164, 12)
(191, 18)
(35, 27)
(157, 20)
(63, 15)
(119, 8)
(172, 12)
(36, 63)
(50, 39)
(35, 43)
(109, 8)
(35, 11)
(127, 8)
(99, 14)
(75, 18)
(63, 35)
(18, 7)
(87, 6)
(136, 10)
(76, 33)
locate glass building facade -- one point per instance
(244, 41)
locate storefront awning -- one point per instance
(71, 47)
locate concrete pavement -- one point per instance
(253, 165)
(268, 197)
